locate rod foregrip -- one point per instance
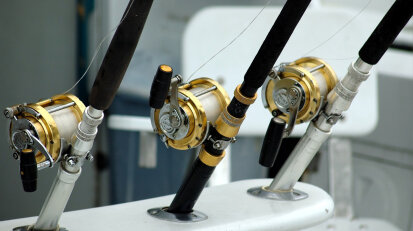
(119, 54)
(191, 188)
(272, 142)
(273, 45)
(28, 170)
(386, 32)
(160, 86)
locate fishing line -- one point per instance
(231, 42)
(98, 49)
(339, 30)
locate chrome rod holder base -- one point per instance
(30, 228)
(263, 192)
(163, 214)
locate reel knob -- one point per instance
(28, 170)
(160, 86)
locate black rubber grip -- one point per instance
(119, 54)
(273, 45)
(191, 188)
(387, 31)
(28, 170)
(272, 142)
(160, 86)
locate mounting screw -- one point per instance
(16, 156)
(71, 161)
(272, 74)
(217, 145)
(8, 113)
(89, 157)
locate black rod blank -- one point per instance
(386, 32)
(273, 45)
(119, 54)
(191, 188)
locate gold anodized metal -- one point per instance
(166, 68)
(299, 71)
(243, 99)
(195, 112)
(210, 159)
(45, 125)
(227, 125)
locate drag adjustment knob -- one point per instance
(272, 142)
(160, 86)
(28, 170)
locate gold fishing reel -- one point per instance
(46, 127)
(184, 118)
(298, 89)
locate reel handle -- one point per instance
(28, 170)
(272, 142)
(386, 32)
(160, 86)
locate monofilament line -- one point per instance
(98, 49)
(339, 30)
(231, 42)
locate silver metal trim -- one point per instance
(30, 228)
(263, 92)
(161, 213)
(264, 192)
(203, 92)
(58, 108)
(40, 147)
(174, 104)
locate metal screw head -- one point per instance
(8, 113)
(217, 145)
(89, 157)
(71, 161)
(16, 155)
(272, 74)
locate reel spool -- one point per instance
(309, 77)
(46, 127)
(183, 119)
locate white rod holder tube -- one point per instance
(56, 200)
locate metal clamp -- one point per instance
(331, 119)
(221, 144)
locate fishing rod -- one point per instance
(61, 130)
(338, 100)
(172, 120)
